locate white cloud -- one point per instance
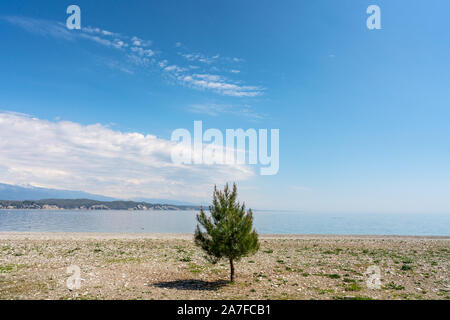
(163, 63)
(140, 42)
(139, 60)
(100, 31)
(174, 68)
(117, 43)
(137, 55)
(143, 52)
(220, 85)
(200, 57)
(97, 159)
(209, 77)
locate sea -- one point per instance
(265, 222)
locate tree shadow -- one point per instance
(192, 284)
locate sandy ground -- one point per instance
(169, 266)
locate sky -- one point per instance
(363, 115)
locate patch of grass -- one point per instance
(268, 251)
(305, 274)
(352, 298)
(331, 276)
(6, 268)
(17, 287)
(186, 259)
(406, 267)
(195, 268)
(360, 298)
(392, 285)
(335, 251)
(124, 260)
(73, 250)
(407, 260)
(280, 261)
(353, 287)
(324, 291)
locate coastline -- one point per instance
(37, 235)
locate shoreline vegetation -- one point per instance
(33, 265)
(88, 204)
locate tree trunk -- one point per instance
(231, 270)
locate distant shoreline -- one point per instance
(15, 235)
(89, 205)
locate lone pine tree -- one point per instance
(228, 231)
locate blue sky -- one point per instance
(363, 114)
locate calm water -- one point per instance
(184, 222)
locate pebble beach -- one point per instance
(169, 266)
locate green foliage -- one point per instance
(6, 268)
(353, 287)
(228, 231)
(406, 267)
(394, 286)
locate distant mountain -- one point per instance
(20, 193)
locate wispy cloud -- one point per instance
(100, 31)
(95, 158)
(215, 110)
(58, 30)
(220, 85)
(140, 42)
(192, 73)
(41, 27)
(198, 57)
